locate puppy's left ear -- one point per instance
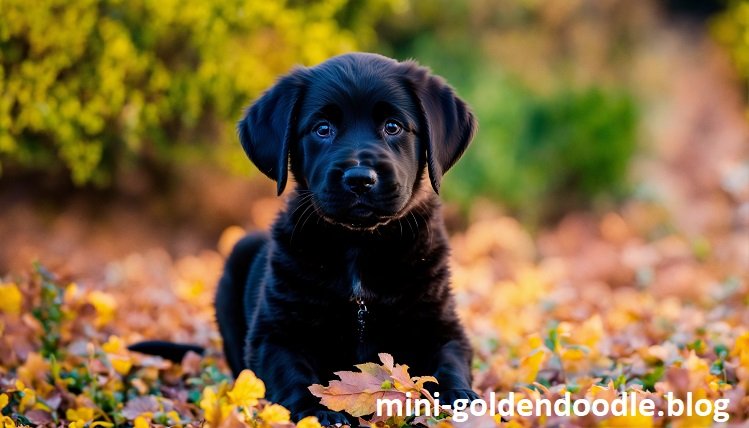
(267, 129)
(447, 122)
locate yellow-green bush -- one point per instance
(89, 84)
(731, 28)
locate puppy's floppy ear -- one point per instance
(447, 122)
(267, 129)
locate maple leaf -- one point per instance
(247, 389)
(357, 392)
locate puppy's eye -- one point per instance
(392, 127)
(323, 129)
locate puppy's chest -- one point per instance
(357, 301)
(357, 274)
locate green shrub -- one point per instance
(91, 85)
(543, 155)
(575, 149)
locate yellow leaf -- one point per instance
(3, 400)
(113, 346)
(275, 413)
(140, 422)
(572, 354)
(105, 305)
(33, 372)
(628, 421)
(535, 342)
(247, 389)
(695, 421)
(10, 299)
(7, 422)
(174, 417)
(81, 414)
(28, 400)
(70, 292)
(121, 365)
(530, 365)
(741, 349)
(634, 420)
(309, 422)
(215, 407)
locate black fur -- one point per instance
(362, 224)
(171, 351)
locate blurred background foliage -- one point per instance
(94, 91)
(731, 27)
(558, 126)
(94, 86)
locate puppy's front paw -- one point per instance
(450, 395)
(326, 418)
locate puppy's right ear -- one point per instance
(266, 131)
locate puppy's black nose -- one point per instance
(359, 179)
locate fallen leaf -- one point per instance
(357, 392)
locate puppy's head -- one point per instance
(358, 132)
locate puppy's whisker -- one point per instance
(400, 226)
(296, 223)
(311, 213)
(302, 201)
(408, 222)
(416, 222)
(426, 223)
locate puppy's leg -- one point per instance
(230, 311)
(454, 371)
(289, 375)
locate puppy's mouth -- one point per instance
(361, 210)
(359, 215)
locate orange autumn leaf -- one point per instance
(357, 392)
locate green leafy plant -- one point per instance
(49, 312)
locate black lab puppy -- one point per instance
(357, 263)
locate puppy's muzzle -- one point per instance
(359, 179)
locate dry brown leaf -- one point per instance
(357, 392)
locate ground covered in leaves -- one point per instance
(651, 297)
(596, 306)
